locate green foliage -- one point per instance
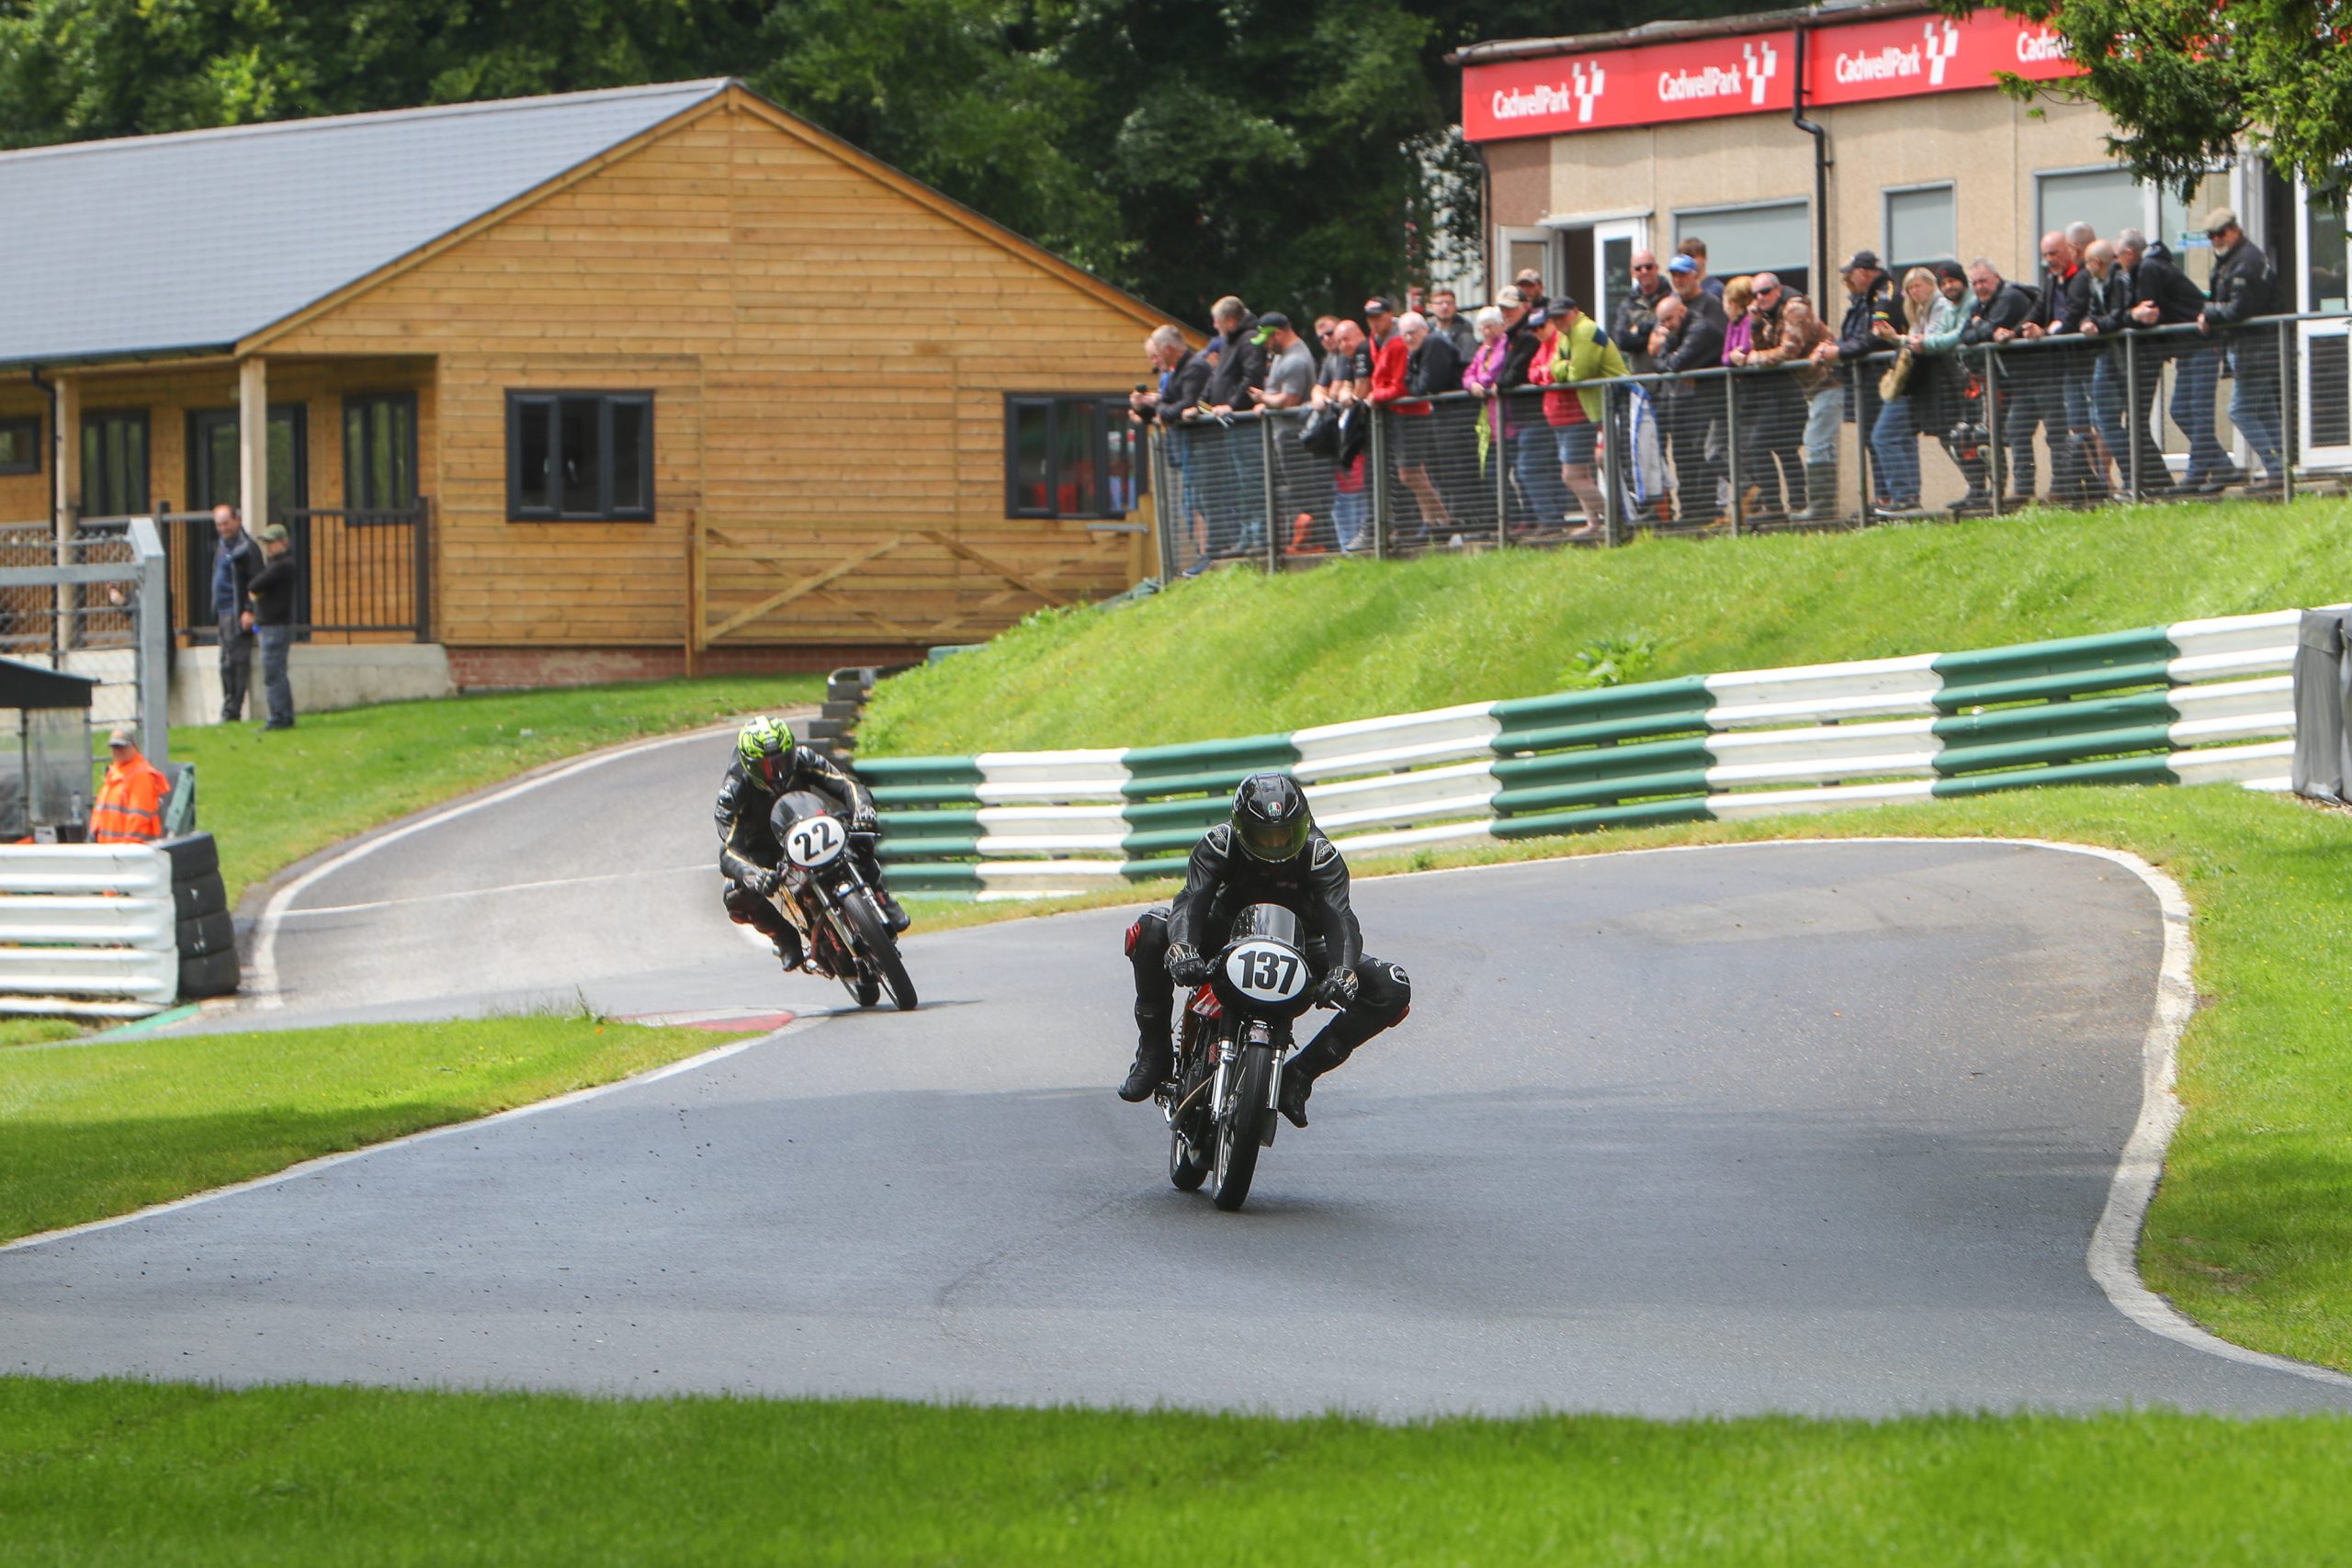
(1619, 659)
(2183, 81)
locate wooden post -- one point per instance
(697, 591)
(253, 442)
(66, 443)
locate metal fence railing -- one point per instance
(363, 571)
(2158, 414)
(93, 603)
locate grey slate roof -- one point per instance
(156, 243)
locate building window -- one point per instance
(1922, 228)
(114, 463)
(1775, 237)
(2107, 200)
(20, 444)
(379, 452)
(1069, 456)
(579, 456)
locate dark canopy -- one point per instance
(24, 686)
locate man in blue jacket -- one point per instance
(235, 560)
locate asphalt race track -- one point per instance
(1808, 1128)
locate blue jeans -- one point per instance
(1824, 411)
(2192, 410)
(1535, 461)
(2254, 408)
(2105, 402)
(1351, 515)
(275, 643)
(1895, 443)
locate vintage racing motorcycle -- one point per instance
(825, 894)
(1233, 1037)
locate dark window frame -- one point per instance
(1102, 504)
(354, 502)
(32, 465)
(97, 419)
(521, 402)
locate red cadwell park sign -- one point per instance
(1707, 78)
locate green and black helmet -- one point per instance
(1271, 820)
(764, 746)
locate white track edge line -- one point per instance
(515, 1113)
(268, 998)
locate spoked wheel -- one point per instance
(889, 970)
(1239, 1129)
(1188, 1163)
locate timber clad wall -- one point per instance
(827, 353)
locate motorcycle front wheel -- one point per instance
(881, 950)
(1239, 1129)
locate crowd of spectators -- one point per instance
(1508, 419)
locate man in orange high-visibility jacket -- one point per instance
(131, 802)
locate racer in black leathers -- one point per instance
(749, 853)
(1170, 944)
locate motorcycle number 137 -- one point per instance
(814, 841)
(1266, 971)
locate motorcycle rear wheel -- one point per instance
(881, 952)
(1239, 1129)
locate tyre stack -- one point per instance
(208, 932)
(834, 729)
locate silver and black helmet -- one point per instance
(1271, 820)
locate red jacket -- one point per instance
(1389, 362)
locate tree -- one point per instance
(2185, 79)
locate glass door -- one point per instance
(1613, 245)
(213, 479)
(2326, 358)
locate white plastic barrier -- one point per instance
(87, 930)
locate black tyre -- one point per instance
(192, 856)
(215, 975)
(1238, 1132)
(882, 952)
(207, 934)
(1188, 1165)
(204, 895)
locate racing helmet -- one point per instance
(1271, 820)
(764, 746)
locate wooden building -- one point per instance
(585, 387)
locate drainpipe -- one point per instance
(1486, 219)
(1820, 167)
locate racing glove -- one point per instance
(764, 881)
(1186, 966)
(1337, 989)
(864, 821)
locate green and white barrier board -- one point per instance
(2197, 701)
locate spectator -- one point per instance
(1773, 408)
(1870, 298)
(2161, 296)
(1447, 321)
(1347, 394)
(2056, 381)
(1236, 484)
(1696, 249)
(1637, 317)
(1802, 332)
(271, 620)
(235, 559)
(1581, 356)
(1939, 387)
(1999, 313)
(2101, 322)
(1431, 368)
(1535, 451)
(1739, 327)
(1529, 284)
(1895, 439)
(2244, 287)
(1183, 378)
(1290, 385)
(1690, 338)
(129, 808)
(1478, 380)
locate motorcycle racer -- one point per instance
(766, 764)
(1268, 851)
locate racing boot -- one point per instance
(1154, 1060)
(1301, 1071)
(786, 943)
(893, 914)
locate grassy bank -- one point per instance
(87, 1131)
(1237, 653)
(272, 799)
(132, 1473)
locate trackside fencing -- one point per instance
(2194, 702)
(87, 930)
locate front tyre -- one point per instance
(1241, 1130)
(882, 951)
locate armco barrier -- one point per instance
(2197, 701)
(87, 930)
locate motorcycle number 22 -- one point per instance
(814, 840)
(1266, 971)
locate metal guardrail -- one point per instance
(2197, 701)
(2066, 420)
(87, 930)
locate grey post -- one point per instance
(1266, 468)
(1502, 466)
(2132, 435)
(1863, 453)
(152, 623)
(1164, 494)
(1377, 463)
(1730, 449)
(2286, 410)
(1613, 430)
(1995, 468)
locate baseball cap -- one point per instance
(1682, 264)
(274, 534)
(1862, 259)
(1376, 305)
(1510, 299)
(2221, 217)
(1270, 323)
(122, 737)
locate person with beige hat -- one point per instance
(2244, 287)
(271, 616)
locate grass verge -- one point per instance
(167, 1475)
(1238, 653)
(271, 800)
(2251, 1234)
(87, 1131)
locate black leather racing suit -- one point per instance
(747, 840)
(1222, 881)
